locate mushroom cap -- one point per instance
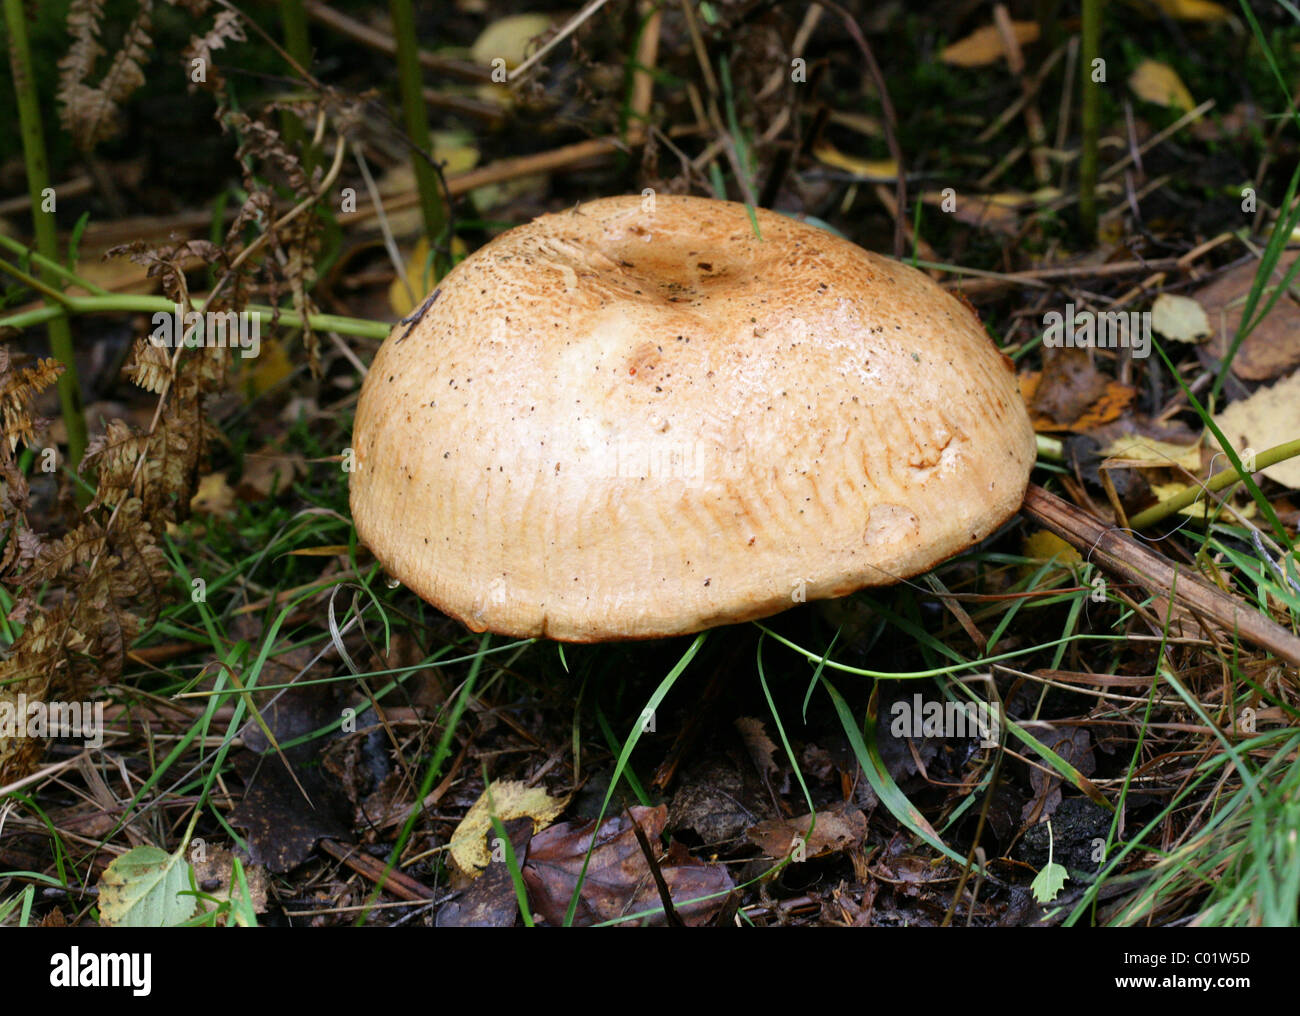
(637, 419)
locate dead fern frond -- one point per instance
(17, 390)
(112, 456)
(169, 263)
(35, 661)
(91, 113)
(225, 28)
(150, 367)
(20, 548)
(79, 62)
(64, 560)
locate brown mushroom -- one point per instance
(642, 417)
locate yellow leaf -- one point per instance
(984, 45)
(1180, 318)
(508, 38)
(214, 496)
(407, 293)
(455, 150)
(1193, 10)
(1143, 451)
(1044, 545)
(1270, 416)
(509, 799)
(1160, 83)
(881, 170)
(269, 368)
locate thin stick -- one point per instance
(1116, 552)
(385, 43)
(574, 24)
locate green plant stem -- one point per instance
(60, 330)
(71, 277)
(131, 303)
(293, 20)
(1089, 46)
(417, 125)
(1191, 495)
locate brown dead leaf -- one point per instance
(491, 902)
(268, 470)
(1071, 394)
(1273, 346)
(618, 881)
(834, 832)
(1074, 745)
(763, 751)
(984, 45)
(283, 826)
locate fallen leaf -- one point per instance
(860, 122)
(408, 292)
(1160, 84)
(1074, 745)
(1193, 10)
(1069, 384)
(1043, 545)
(456, 151)
(269, 368)
(508, 38)
(762, 751)
(1180, 318)
(1269, 417)
(1071, 394)
(214, 496)
(142, 889)
(984, 45)
(877, 170)
(283, 826)
(1273, 346)
(1049, 882)
(618, 883)
(491, 901)
(266, 471)
(1141, 451)
(998, 212)
(507, 799)
(833, 833)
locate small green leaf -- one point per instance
(1049, 882)
(142, 889)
